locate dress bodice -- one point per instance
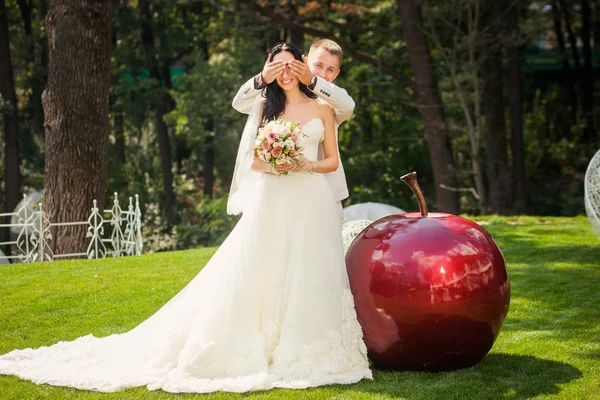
(315, 130)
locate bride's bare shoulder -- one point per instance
(324, 108)
(321, 103)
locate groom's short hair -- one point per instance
(329, 45)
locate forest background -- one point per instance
(491, 102)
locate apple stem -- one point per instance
(411, 181)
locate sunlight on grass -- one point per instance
(549, 347)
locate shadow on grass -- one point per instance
(497, 376)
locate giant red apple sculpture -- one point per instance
(431, 290)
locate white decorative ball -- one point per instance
(25, 211)
(592, 193)
(371, 211)
(3, 260)
(352, 229)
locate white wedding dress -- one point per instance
(272, 308)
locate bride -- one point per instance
(272, 308)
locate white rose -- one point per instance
(290, 143)
(279, 129)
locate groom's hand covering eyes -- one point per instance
(272, 70)
(301, 71)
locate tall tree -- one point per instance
(119, 128)
(12, 177)
(76, 115)
(515, 101)
(32, 14)
(494, 110)
(296, 35)
(208, 166)
(430, 105)
(164, 104)
(588, 88)
(562, 51)
(585, 85)
(461, 57)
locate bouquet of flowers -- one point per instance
(279, 142)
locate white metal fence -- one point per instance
(32, 242)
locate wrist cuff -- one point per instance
(258, 82)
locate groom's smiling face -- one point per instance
(324, 64)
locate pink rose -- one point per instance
(294, 136)
(293, 153)
(271, 137)
(276, 152)
(282, 160)
(266, 146)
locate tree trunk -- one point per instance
(430, 105)
(596, 25)
(208, 166)
(571, 36)
(119, 128)
(474, 123)
(12, 175)
(579, 73)
(163, 106)
(119, 138)
(588, 88)
(209, 160)
(495, 124)
(296, 35)
(515, 100)
(297, 38)
(28, 145)
(569, 80)
(164, 145)
(40, 74)
(76, 116)
(25, 8)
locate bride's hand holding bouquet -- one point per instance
(280, 143)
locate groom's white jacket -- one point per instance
(337, 97)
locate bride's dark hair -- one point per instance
(275, 104)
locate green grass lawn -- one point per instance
(549, 347)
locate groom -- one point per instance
(317, 73)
